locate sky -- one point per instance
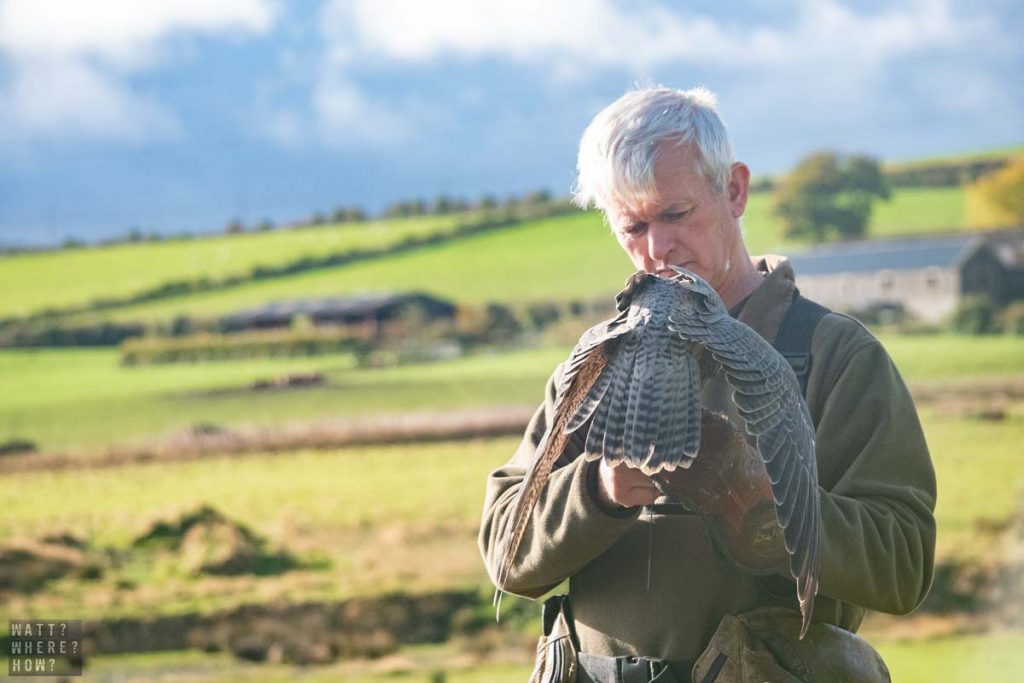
(176, 116)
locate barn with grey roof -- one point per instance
(925, 278)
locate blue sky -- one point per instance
(180, 115)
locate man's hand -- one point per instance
(624, 486)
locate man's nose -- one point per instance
(659, 242)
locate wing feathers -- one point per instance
(636, 380)
(767, 396)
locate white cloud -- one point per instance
(590, 34)
(821, 53)
(66, 97)
(345, 117)
(68, 60)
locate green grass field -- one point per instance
(359, 526)
(332, 500)
(992, 657)
(328, 507)
(967, 452)
(329, 491)
(426, 664)
(996, 657)
(355, 513)
(566, 257)
(66, 277)
(82, 397)
(78, 397)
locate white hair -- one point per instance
(619, 147)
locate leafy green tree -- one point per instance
(829, 196)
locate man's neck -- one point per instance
(746, 280)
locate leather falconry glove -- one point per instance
(729, 486)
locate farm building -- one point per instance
(925, 277)
(367, 313)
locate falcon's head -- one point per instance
(634, 283)
(693, 282)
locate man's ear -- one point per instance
(739, 186)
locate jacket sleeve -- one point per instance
(568, 528)
(878, 484)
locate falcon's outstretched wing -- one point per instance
(579, 393)
(768, 397)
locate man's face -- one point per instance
(688, 224)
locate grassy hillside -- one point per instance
(569, 257)
(910, 211)
(65, 277)
(997, 153)
(565, 257)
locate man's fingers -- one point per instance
(626, 486)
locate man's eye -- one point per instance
(676, 216)
(635, 229)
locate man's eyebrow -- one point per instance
(680, 207)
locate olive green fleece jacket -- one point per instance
(877, 489)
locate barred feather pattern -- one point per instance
(573, 401)
(636, 379)
(768, 398)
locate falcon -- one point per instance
(636, 380)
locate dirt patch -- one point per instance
(1011, 388)
(293, 380)
(987, 580)
(975, 590)
(302, 633)
(27, 566)
(207, 542)
(206, 439)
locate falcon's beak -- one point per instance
(683, 275)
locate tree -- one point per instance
(1004, 189)
(829, 195)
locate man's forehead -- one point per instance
(647, 208)
(629, 213)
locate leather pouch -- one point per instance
(764, 645)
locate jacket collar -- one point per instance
(766, 306)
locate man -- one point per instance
(659, 164)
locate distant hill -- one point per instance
(566, 257)
(563, 258)
(33, 281)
